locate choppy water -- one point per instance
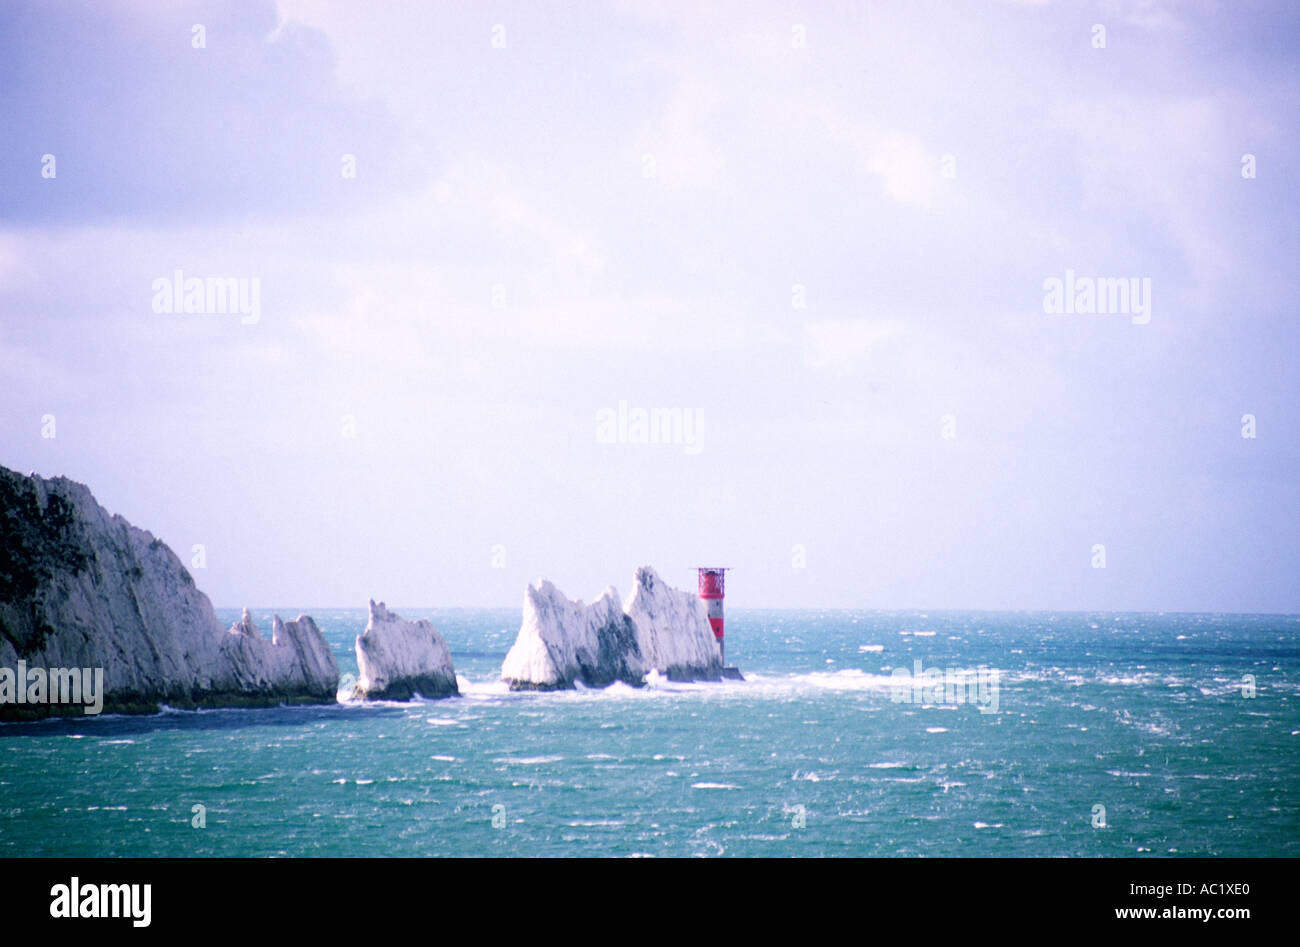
(1142, 714)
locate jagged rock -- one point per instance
(561, 643)
(398, 659)
(672, 629)
(305, 660)
(82, 589)
(246, 626)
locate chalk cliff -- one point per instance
(80, 588)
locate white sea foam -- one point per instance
(849, 679)
(482, 689)
(809, 777)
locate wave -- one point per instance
(849, 679)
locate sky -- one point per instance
(489, 242)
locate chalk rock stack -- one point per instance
(398, 659)
(563, 643)
(672, 630)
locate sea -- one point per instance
(1045, 734)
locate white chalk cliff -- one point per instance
(80, 588)
(562, 642)
(398, 659)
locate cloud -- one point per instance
(908, 171)
(1164, 162)
(144, 126)
(1153, 15)
(567, 248)
(844, 344)
(675, 148)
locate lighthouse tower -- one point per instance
(713, 588)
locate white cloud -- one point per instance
(841, 345)
(683, 155)
(1154, 15)
(569, 249)
(1163, 156)
(908, 171)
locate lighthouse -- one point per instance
(713, 588)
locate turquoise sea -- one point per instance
(1113, 734)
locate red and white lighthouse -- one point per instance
(713, 588)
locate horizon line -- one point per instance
(806, 608)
